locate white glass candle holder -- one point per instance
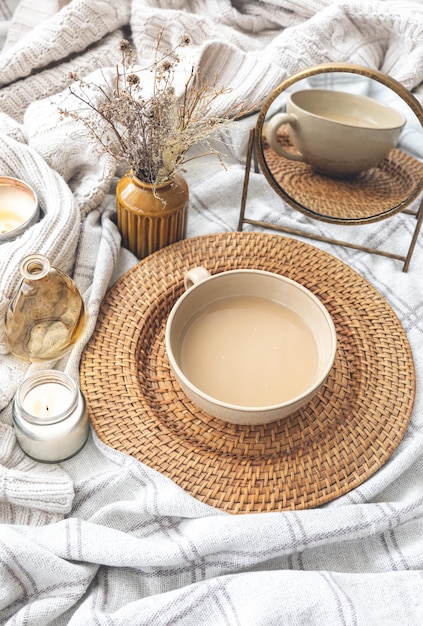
(19, 207)
(50, 417)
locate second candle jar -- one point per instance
(50, 417)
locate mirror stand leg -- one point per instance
(419, 217)
(247, 178)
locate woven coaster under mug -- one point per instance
(366, 197)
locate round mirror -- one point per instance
(342, 143)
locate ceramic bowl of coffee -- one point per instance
(249, 346)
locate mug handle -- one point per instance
(272, 127)
(195, 275)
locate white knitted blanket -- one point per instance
(101, 538)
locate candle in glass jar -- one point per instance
(50, 417)
(18, 207)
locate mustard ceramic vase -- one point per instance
(149, 216)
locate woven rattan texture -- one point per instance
(344, 435)
(371, 193)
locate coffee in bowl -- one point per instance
(249, 346)
(337, 133)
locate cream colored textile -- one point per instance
(30, 492)
(102, 538)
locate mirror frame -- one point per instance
(385, 80)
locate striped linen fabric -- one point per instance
(102, 538)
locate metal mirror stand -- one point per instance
(255, 150)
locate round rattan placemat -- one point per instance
(344, 435)
(375, 193)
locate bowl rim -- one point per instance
(336, 95)
(245, 408)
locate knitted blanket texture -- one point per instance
(102, 538)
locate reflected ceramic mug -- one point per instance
(249, 346)
(338, 133)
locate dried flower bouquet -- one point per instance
(142, 121)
